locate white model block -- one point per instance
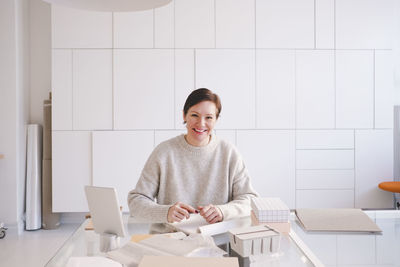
(184, 82)
(315, 90)
(133, 29)
(118, 159)
(235, 23)
(61, 82)
(384, 89)
(74, 28)
(365, 24)
(273, 173)
(254, 240)
(325, 179)
(328, 198)
(231, 74)
(324, 159)
(92, 89)
(194, 24)
(270, 210)
(141, 77)
(354, 89)
(71, 152)
(164, 34)
(275, 102)
(325, 139)
(325, 24)
(374, 164)
(285, 23)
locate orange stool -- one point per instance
(393, 187)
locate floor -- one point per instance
(33, 248)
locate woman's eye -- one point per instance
(194, 115)
(209, 118)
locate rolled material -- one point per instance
(33, 178)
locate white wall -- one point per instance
(307, 93)
(14, 108)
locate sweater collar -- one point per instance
(198, 149)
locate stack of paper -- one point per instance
(270, 210)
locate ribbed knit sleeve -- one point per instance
(242, 191)
(141, 200)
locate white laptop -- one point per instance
(104, 210)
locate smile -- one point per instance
(199, 130)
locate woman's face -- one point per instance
(200, 120)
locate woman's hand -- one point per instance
(179, 211)
(211, 213)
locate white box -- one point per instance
(254, 240)
(270, 210)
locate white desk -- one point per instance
(332, 249)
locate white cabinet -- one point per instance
(194, 24)
(365, 24)
(315, 90)
(276, 95)
(231, 74)
(133, 29)
(118, 160)
(72, 157)
(325, 24)
(92, 89)
(324, 159)
(61, 82)
(326, 198)
(143, 89)
(164, 32)
(270, 158)
(235, 23)
(325, 139)
(285, 23)
(74, 28)
(354, 89)
(374, 164)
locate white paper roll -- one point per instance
(34, 177)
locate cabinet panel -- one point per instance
(143, 89)
(325, 139)
(133, 29)
(374, 164)
(231, 74)
(315, 89)
(71, 152)
(324, 199)
(324, 159)
(270, 158)
(61, 82)
(194, 24)
(74, 28)
(285, 23)
(92, 89)
(235, 24)
(275, 102)
(118, 160)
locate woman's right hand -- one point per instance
(179, 211)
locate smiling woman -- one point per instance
(195, 172)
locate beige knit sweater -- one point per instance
(176, 171)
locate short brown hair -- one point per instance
(200, 95)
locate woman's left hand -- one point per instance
(210, 213)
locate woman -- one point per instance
(195, 172)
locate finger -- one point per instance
(209, 212)
(203, 210)
(187, 207)
(211, 216)
(216, 219)
(183, 212)
(175, 218)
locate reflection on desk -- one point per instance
(86, 243)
